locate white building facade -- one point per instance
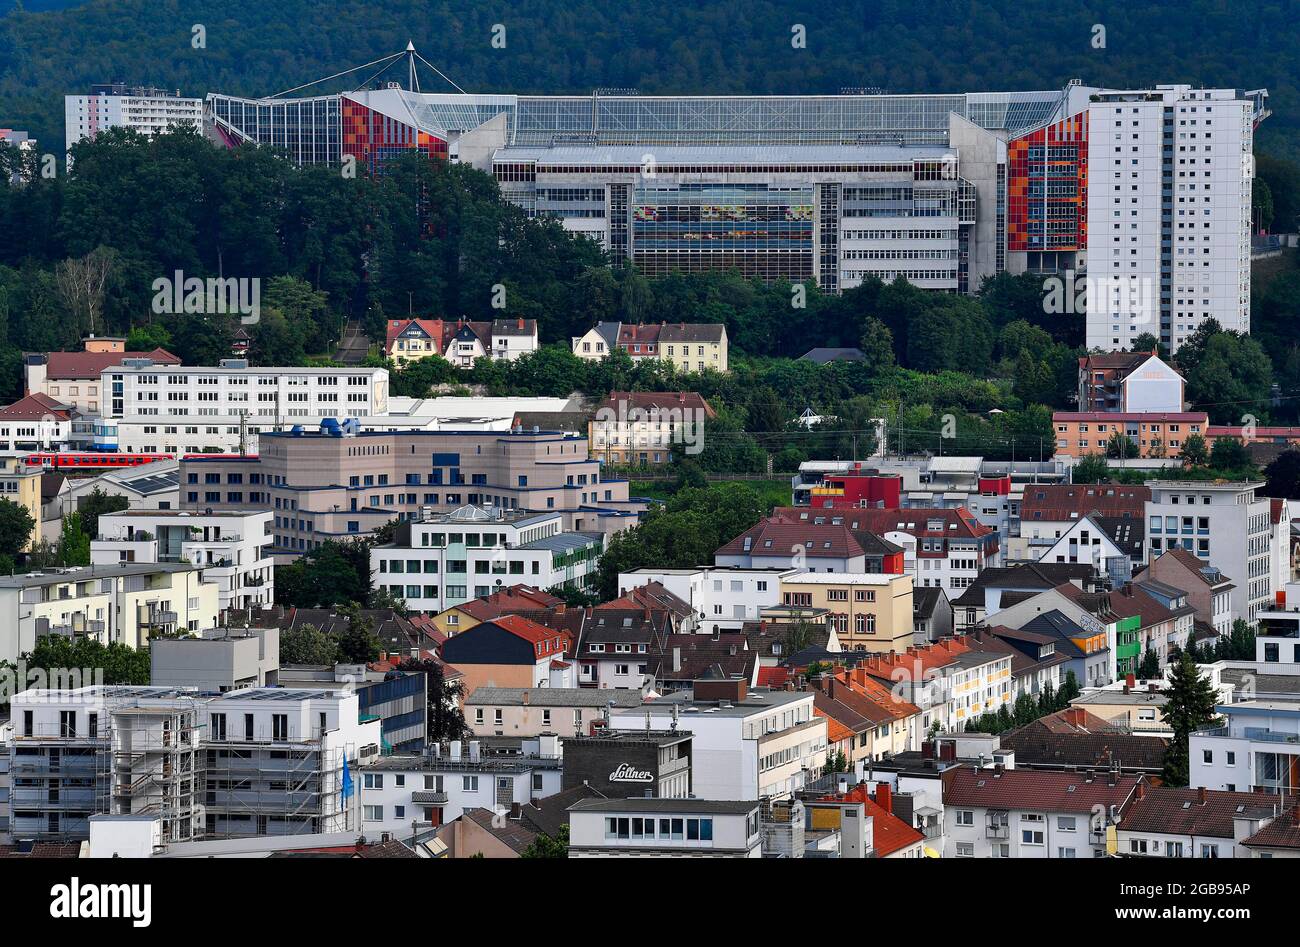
(173, 409)
(230, 549)
(1169, 204)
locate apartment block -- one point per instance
(1169, 203)
(229, 548)
(340, 484)
(673, 828)
(170, 409)
(143, 109)
(1255, 749)
(1154, 434)
(1015, 813)
(446, 559)
(438, 786)
(126, 603)
(1226, 525)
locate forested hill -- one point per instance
(551, 46)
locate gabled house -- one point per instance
(1128, 382)
(510, 651)
(1208, 589)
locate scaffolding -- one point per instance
(155, 768)
(265, 786)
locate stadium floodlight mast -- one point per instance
(409, 55)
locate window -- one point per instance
(374, 813)
(1031, 837)
(965, 817)
(469, 783)
(965, 849)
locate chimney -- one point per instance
(1141, 791)
(1202, 796)
(884, 797)
(515, 810)
(1295, 815)
(1130, 680)
(527, 697)
(677, 658)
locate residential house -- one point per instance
(1208, 590)
(527, 712)
(648, 428)
(1074, 739)
(1128, 382)
(1021, 813)
(1172, 822)
(868, 612)
(510, 651)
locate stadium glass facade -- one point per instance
(832, 188)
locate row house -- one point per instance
(941, 548)
(459, 341)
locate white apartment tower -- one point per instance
(1169, 198)
(147, 110)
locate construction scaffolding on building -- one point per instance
(155, 767)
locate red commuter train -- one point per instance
(93, 460)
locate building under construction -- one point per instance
(258, 761)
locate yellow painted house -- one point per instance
(867, 611)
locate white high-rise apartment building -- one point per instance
(117, 105)
(176, 409)
(1169, 197)
(1225, 524)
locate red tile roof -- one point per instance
(509, 601)
(1282, 832)
(35, 407)
(914, 521)
(775, 536)
(656, 400)
(1118, 417)
(1037, 790)
(1210, 812)
(889, 833)
(530, 631)
(432, 327)
(1062, 502)
(73, 366)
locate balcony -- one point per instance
(429, 797)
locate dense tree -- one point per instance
(358, 643)
(1284, 475)
(95, 505)
(445, 719)
(307, 644)
(332, 573)
(1091, 469)
(547, 846)
(16, 526)
(1190, 706)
